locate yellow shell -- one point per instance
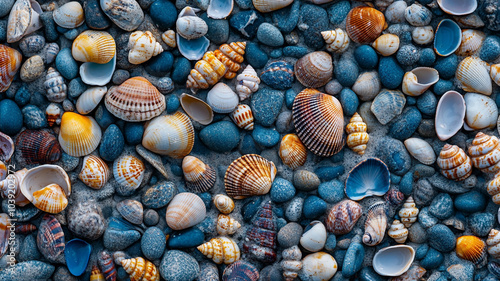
(140, 269)
(185, 210)
(199, 176)
(386, 44)
(493, 243)
(221, 250)
(357, 137)
(454, 163)
(265, 6)
(231, 56)
(398, 231)
(10, 62)
(95, 172)
(336, 40)
(292, 152)
(223, 203)
(79, 135)
(227, 225)
(485, 153)
(128, 171)
(249, 175)
(50, 199)
(493, 188)
(169, 38)
(143, 46)
(408, 212)
(314, 70)
(96, 274)
(472, 248)
(243, 117)
(94, 46)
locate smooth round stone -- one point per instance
(338, 12)
(28, 270)
(120, 76)
(218, 29)
(179, 266)
(433, 259)
(151, 217)
(406, 183)
(250, 208)
(394, 154)
(286, 19)
(395, 13)
(423, 171)
(331, 242)
(289, 235)
(349, 101)
(265, 137)
(153, 243)
(426, 219)
(173, 103)
(417, 233)
(163, 13)
(76, 87)
(270, 35)
(160, 65)
(182, 68)
(112, 143)
(446, 185)
(365, 56)
(32, 69)
(421, 251)
(406, 124)
(427, 103)
(284, 123)
(159, 195)
(71, 34)
(353, 259)
(441, 238)
(248, 145)
(293, 211)
(470, 202)
(442, 86)
(276, 53)
(11, 117)
(117, 240)
(490, 50)
(331, 191)
(447, 66)
(442, 206)
(281, 190)
(207, 199)
(481, 223)
(103, 117)
(222, 136)
(408, 55)
(390, 72)
(313, 19)
(66, 65)
(305, 180)
(426, 128)
(294, 51)
(346, 72)
(29, 250)
(266, 105)
(34, 118)
(22, 96)
(424, 193)
(165, 85)
(246, 23)
(290, 95)
(327, 173)
(5, 6)
(62, 273)
(133, 132)
(47, 19)
(186, 239)
(314, 207)
(94, 16)
(255, 56)
(427, 57)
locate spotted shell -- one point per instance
(96, 275)
(319, 122)
(69, 15)
(249, 175)
(135, 100)
(131, 210)
(128, 171)
(169, 38)
(50, 238)
(243, 117)
(38, 147)
(221, 250)
(364, 24)
(343, 216)
(247, 83)
(199, 176)
(472, 73)
(375, 224)
(336, 40)
(261, 238)
(54, 86)
(50, 199)
(95, 172)
(4, 233)
(314, 70)
(292, 152)
(408, 212)
(227, 225)
(485, 153)
(493, 243)
(454, 163)
(85, 220)
(79, 135)
(185, 210)
(141, 269)
(423, 35)
(386, 44)
(107, 265)
(266, 6)
(94, 46)
(10, 62)
(223, 203)
(473, 249)
(398, 232)
(241, 270)
(357, 137)
(143, 46)
(53, 113)
(472, 41)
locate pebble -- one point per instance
(270, 35)
(186, 239)
(427, 104)
(11, 117)
(5, 6)
(394, 155)
(441, 238)
(133, 132)
(447, 66)
(265, 137)
(218, 29)
(62, 274)
(426, 128)
(66, 65)
(286, 19)
(331, 191)
(427, 57)
(151, 217)
(490, 50)
(289, 98)
(75, 88)
(442, 86)
(338, 12)
(163, 14)
(34, 118)
(417, 233)
(29, 250)
(470, 202)
(120, 76)
(247, 23)
(284, 122)
(178, 266)
(353, 259)
(47, 19)
(248, 145)
(244, 4)
(314, 207)
(346, 72)
(442, 206)
(282, 190)
(28, 270)
(408, 55)
(103, 117)
(461, 272)
(173, 103)
(421, 251)
(313, 19)
(481, 223)
(255, 56)
(112, 143)
(390, 73)
(117, 240)
(182, 68)
(32, 69)
(426, 219)
(160, 65)
(159, 195)
(327, 173)
(94, 16)
(293, 211)
(433, 259)
(406, 124)
(222, 136)
(153, 243)
(266, 105)
(294, 51)
(289, 235)
(446, 185)
(276, 53)
(305, 180)
(365, 55)
(250, 208)
(349, 101)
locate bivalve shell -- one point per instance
(367, 86)
(77, 253)
(191, 27)
(369, 177)
(90, 99)
(314, 70)
(185, 210)
(222, 99)
(447, 38)
(472, 73)
(485, 153)
(199, 176)
(364, 24)
(50, 199)
(266, 6)
(69, 15)
(454, 163)
(343, 216)
(24, 18)
(423, 35)
(450, 115)
(38, 147)
(143, 46)
(357, 137)
(131, 210)
(240, 270)
(227, 225)
(10, 62)
(141, 269)
(243, 117)
(247, 83)
(37, 179)
(97, 74)
(4, 233)
(457, 7)
(197, 109)
(54, 85)
(95, 172)
(472, 41)
(336, 40)
(6, 147)
(79, 135)
(94, 46)
(481, 111)
(473, 249)
(220, 9)
(221, 250)
(128, 171)
(495, 73)
(292, 152)
(493, 243)
(417, 81)
(223, 203)
(126, 14)
(387, 44)
(420, 150)
(394, 260)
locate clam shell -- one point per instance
(243, 117)
(450, 115)
(10, 62)
(185, 210)
(314, 237)
(191, 27)
(472, 41)
(42, 176)
(369, 177)
(141, 269)
(336, 40)
(131, 210)
(481, 111)
(197, 109)
(485, 153)
(143, 46)
(418, 15)
(227, 225)
(94, 46)
(77, 253)
(199, 176)
(343, 216)
(364, 24)
(367, 86)
(423, 35)
(493, 243)
(375, 224)
(221, 250)
(95, 172)
(50, 238)
(11, 186)
(457, 7)
(314, 69)
(50, 199)
(54, 86)
(454, 163)
(38, 147)
(495, 73)
(241, 270)
(24, 18)
(128, 171)
(265, 6)
(473, 74)
(387, 44)
(420, 150)
(393, 260)
(69, 15)
(357, 137)
(318, 266)
(220, 9)
(126, 14)
(222, 99)
(473, 249)
(247, 82)
(417, 81)
(86, 221)
(319, 122)
(292, 152)
(447, 38)
(6, 147)
(97, 74)
(90, 99)
(223, 203)
(192, 49)
(79, 135)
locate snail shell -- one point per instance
(454, 163)
(96, 275)
(143, 46)
(387, 44)
(473, 249)
(408, 212)
(107, 265)
(223, 203)
(261, 238)
(364, 24)
(94, 46)
(485, 153)
(131, 210)
(54, 85)
(493, 189)
(292, 152)
(95, 172)
(243, 117)
(169, 38)
(314, 70)
(291, 263)
(221, 250)
(85, 220)
(493, 243)
(375, 225)
(398, 231)
(79, 135)
(191, 27)
(336, 40)
(10, 62)
(357, 137)
(343, 216)
(227, 225)
(141, 269)
(199, 176)
(53, 113)
(247, 83)
(185, 210)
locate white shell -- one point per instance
(97, 74)
(473, 74)
(265, 6)
(314, 237)
(197, 109)
(420, 150)
(395, 13)
(191, 27)
(41, 176)
(90, 99)
(367, 86)
(457, 7)
(472, 41)
(336, 40)
(418, 15)
(242, 116)
(398, 231)
(495, 73)
(417, 81)
(69, 15)
(387, 44)
(185, 210)
(423, 35)
(318, 266)
(143, 46)
(450, 115)
(54, 86)
(24, 18)
(222, 99)
(169, 38)
(247, 82)
(191, 49)
(394, 260)
(481, 111)
(220, 9)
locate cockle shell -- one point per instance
(54, 86)
(94, 46)
(79, 135)
(131, 210)
(221, 250)
(140, 269)
(394, 260)
(38, 147)
(90, 99)
(265, 6)
(357, 137)
(481, 111)
(417, 81)
(220, 9)
(473, 249)
(227, 225)
(199, 176)
(10, 62)
(375, 224)
(171, 135)
(169, 38)
(450, 115)
(485, 153)
(240, 270)
(50, 199)
(495, 73)
(95, 172)
(318, 266)
(291, 263)
(143, 46)
(222, 99)
(454, 163)
(472, 41)
(336, 40)
(313, 238)
(223, 203)
(197, 109)
(96, 274)
(135, 100)
(24, 18)
(364, 24)
(423, 35)
(386, 44)
(447, 38)
(369, 177)
(420, 150)
(249, 175)
(367, 85)
(185, 210)
(398, 231)
(292, 152)
(243, 117)
(472, 73)
(53, 113)
(191, 27)
(247, 83)
(128, 171)
(50, 238)
(4, 233)
(343, 216)
(408, 212)
(319, 122)
(38, 187)
(126, 14)
(314, 70)
(69, 15)
(457, 8)
(6, 147)
(261, 238)
(493, 243)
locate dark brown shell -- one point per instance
(364, 24)
(25, 228)
(343, 216)
(260, 241)
(107, 266)
(314, 69)
(241, 271)
(50, 238)
(394, 197)
(38, 147)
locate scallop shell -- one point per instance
(336, 40)
(314, 70)
(292, 152)
(69, 15)
(418, 15)
(485, 153)
(221, 250)
(417, 81)
(10, 62)
(4, 233)
(107, 265)
(171, 135)
(313, 238)
(261, 238)
(291, 263)
(375, 224)
(343, 216)
(199, 176)
(240, 270)
(95, 172)
(50, 199)
(357, 137)
(481, 112)
(319, 122)
(24, 18)
(223, 203)
(266, 6)
(220, 9)
(169, 38)
(135, 100)
(53, 113)
(495, 73)
(197, 109)
(473, 249)
(398, 232)
(473, 74)
(50, 238)
(387, 44)
(369, 177)
(420, 150)
(143, 46)
(90, 99)
(247, 83)
(423, 35)
(447, 38)
(185, 210)
(86, 221)
(249, 175)
(408, 212)
(493, 243)
(454, 163)
(129, 171)
(54, 86)
(131, 210)
(243, 117)
(227, 225)
(94, 46)
(35, 187)
(384, 261)
(126, 14)
(38, 147)
(450, 115)
(457, 8)
(222, 99)
(472, 41)
(96, 274)
(191, 27)
(364, 24)
(141, 269)
(79, 135)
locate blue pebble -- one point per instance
(266, 105)
(244, 4)
(29, 250)
(390, 72)
(353, 260)
(470, 202)
(339, 157)
(349, 101)
(34, 118)
(5, 6)
(28, 270)
(443, 86)
(316, 19)
(22, 96)
(331, 242)
(276, 53)
(222, 136)
(405, 37)
(177, 170)
(427, 57)
(426, 219)
(218, 29)
(133, 132)
(49, 25)
(265, 137)
(94, 16)
(182, 68)
(112, 143)
(365, 56)
(207, 199)
(328, 173)
(250, 208)
(248, 145)
(406, 184)
(290, 95)
(346, 72)
(282, 190)
(159, 195)
(207, 226)
(66, 65)
(160, 65)
(280, 222)
(481, 223)
(179, 266)
(286, 19)
(368, 274)
(447, 66)
(75, 88)
(421, 251)
(163, 13)
(331, 191)
(407, 55)
(490, 50)
(395, 179)
(394, 154)
(433, 259)
(3, 30)
(11, 117)
(441, 206)
(173, 103)
(427, 103)
(294, 51)
(278, 75)
(338, 12)
(153, 243)
(186, 239)
(405, 124)
(103, 117)
(279, 212)
(411, 100)
(246, 23)
(314, 207)
(441, 238)
(71, 34)
(255, 56)
(117, 240)
(270, 35)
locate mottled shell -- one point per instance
(408, 212)
(495, 73)
(367, 86)
(493, 189)
(107, 265)
(90, 99)
(25, 228)
(318, 266)
(199, 176)
(53, 113)
(343, 216)
(364, 24)
(423, 35)
(6, 147)
(94, 46)
(129, 171)
(169, 38)
(227, 225)
(493, 243)
(357, 138)
(420, 150)
(336, 40)
(140, 269)
(143, 46)
(454, 163)
(197, 109)
(222, 99)
(50, 238)
(319, 122)
(418, 15)
(387, 44)
(54, 86)
(85, 220)
(221, 250)
(473, 249)
(38, 147)
(291, 263)
(4, 233)
(241, 270)
(247, 83)
(69, 15)
(243, 117)
(398, 232)
(485, 153)
(292, 152)
(95, 172)
(473, 74)
(472, 41)
(50, 199)
(131, 210)
(249, 175)
(126, 14)
(185, 210)
(375, 224)
(223, 203)
(24, 18)
(266, 6)
(171, 135)
(96, 275)
(314, 70)
(191, 27)
(50, 52)
(79, 135)
(261, 238)
(10, 62)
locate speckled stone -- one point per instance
(153, 243)
(313, 19)
(338, 12)
(94, 16)
(408, 55)
(394, 155)
(186, 239)
(218, 29)
(246, 23)
(390, 73)
(266, 105)
(314, 207)
(442, 206)
(481, 223)
(293, 211)
(270, 35)
(178, 266)
(289, 235)
(305, 180)
(417, 233)
(470, 202)
(220, 137)
(331, 191)
(159, 195)
(11, 117)
(29, 270)
(346, 71)
(66, 64)
(282, 190)
(112, 143)
(441, 238)
(34, 118)
(286, 19)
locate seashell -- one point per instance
(393, 260)
(423, 35)
(131, 210)
(367, 86)
(494, 268)
(481, 111)
(50, 238)
(107, 266)
(343, 216)
(313, 238)
(369, 177)
(336, 40)
(129, 171)
(11, 185)
(266, 6)
(457, 8)
(495, 73)
(169, 38)
(69, 15)
(414, 273)
(222, 99)
(485, 153)
(96, 274)
(50, 199)
(493, 189)
(292, 152)
(408, 212)
(191, 27)
(199, 176)
(32, 69)
(375, 224)
(357, 137)
(135, 100)
(420, 150)
(197, 109)
(314, 70)
(90, 99)
(25, 228)
(6, 147)
(4, 233)
(95, 172)
(493, 243)
(79, 135)
(318, 266)
(171, 135)
(417, 81)
(418, 15)
(247, 83)
(447, 38)
(94, 46)
(185, 210)
(53, 113)
(143, 46)
(221, 250)
(38, 147)
(97, 74)
(322, 114)
(454, 163)
(192, 49)
(364, 24)
(261, 238)
(224, 203)
(77, 253)
(472, 73)
(10, 62)
(220, 9)
(472, 40)
(473, 249)
(387, 44)
(3, 171)
(240, 270)
(50, 52)
(387, 105)
(278, 75)
(24, 18)
(291, 263)
(126, 14)
(249, 175)
(153, 159)
(231, 56)
(450, 115)
(243, 117)
(141, 269)
(86, 221)
(398, 232)
(227, 225)
(54, 85)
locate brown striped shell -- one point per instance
(199, 176)
(319, 122)
(223, 203)
(243, 117)
(131, 210)
(454, 163)
(314, 70)
(185, 210)
(10, 62)
(364, 24)
(485, 153)
(140, 269)
(38, 147)
(292, 152)
(50, 238)
(95, 172)
(343, 216)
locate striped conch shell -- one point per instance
(221, 250)
(96, 274)
(473, 249)
(375, 225)
(408, 212)
(292, 151)
(227, 225)
(398, 231)
(10, 62)
(79, 135)
(185, 210)
(140, 269)
(223, 203)
(199, 176)
(169, 38)
(94, 46)
(143, 46)
(485, 153)
(493, 243)
(454, 163)
(336, 40)
(95, 172)
(247, 83)
(242, 116)
(357, 137)
(50, 199)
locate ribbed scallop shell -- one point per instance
(79, 135)
(314, 70)
(185, 210)
(243, 117)
(140, 269)
(420, 150)
(222, 99)
(227, 225)
(375, 224)
(4, 233)
(191, 27)
(94, 46)
(408, 212)
(50, 238)
(473, 249)
(495, 73)
(131, 210)
(90, 99)
(249, 175)
(69, 15)
(473, 75)
(171, 135)
(454, 163)
(54, 86)
(199, 176)
(364, 24)
(485, 153)
(53, 113)
(367, 86)
(135, 100)
(493, 243)
(95, 172)
(343, 216)
(336, 40)
(128, 171)
(221, 250)
(107, 265)
(247, 82)
(38, 147)
(357, 137)
(292, 152)
(169, 38)
(261, 238)
(386, 44)
(96, 274)
(50, 199)
(472, 41)
(398, 231)
(143, 46)
(319, 122)
(240, 270)
(291, 263)
(265, 6)
(223, 203)
(10, 62)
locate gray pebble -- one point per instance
(289, 235)
(305, 180)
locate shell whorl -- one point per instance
(357, 137)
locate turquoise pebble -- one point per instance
(11, 117)
(470, 202)
(221, 136)
(314, 207)
(112, 143)
(265, 137)
(441, 238)
(331, 191)
(186, 239)
(282, 190)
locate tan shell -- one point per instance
(243, 117)
(357, 137)
(69, 15)
(375, 224)
(140, 269)
(485, 153)
(223, 203)
(185, 210)
(265, 6)
(314, 70)
(364, 24)
(493, 243)
(221, 250)
(10, 62)
(95, 172)
(367, 85)
(79, 135)
(292, 152)
(227, 225)
(94, 46)
(408, 212)
(454, 163)
(420, 150)
(35, 183)
(343, 216)
(387, 44)
(336, 40)
(197, 109)
(169, 38)
(398, 232)
(50, 199)
(199, 176)
(143, 46)
(90, 99)
(247, 83)
(472, 41)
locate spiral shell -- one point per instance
(10, 62)
(199, 176)
(96, 275)
(131, 210)
(191, 27)
(472, 41)
(291, 263)
(485, 153)
(319, 122)
(107, 266)
(140, 269)
(473, 249)
(375, 225)
(266, 6)
(227, 225)
(143, 46)
(473, 74)
(85, 220)
(364, 24)
(292, 152)
(493, 188)
(243, 117)
(25, 228)
(185, 210)
(94, 46)
(387, 44)
(50, 199)
(398, 232)
(493, 243)
(38, 147)
(357, 137)
(169, 38)
(95, 172)
(408, 212)
(53, 113)
(249, 175)
(221, 250)
(54, 86)
(343, 216)
(129, 171)
(222, 99)
(261, 238)
(314, 70)
(336, 40)
(79, 135)
(90, 99)
(247, 83)
(50, 238)
(240, 270)
(420, 150)
(454, 163)
(223, 203)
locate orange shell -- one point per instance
(454, 163)
(471, 248)
(140, 269)
(50, 199)
(199, 176)
(485, 153)
(292, 152)
(364, 24)
(79, 135)
(10, 62)
(185, 210)
(95, 172)
(243, 117)
(314, 69)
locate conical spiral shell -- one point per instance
(227, 225)
(387, 44)
(54, 86)
(185, 210)
(473, 74)
(96, 274)
(169, 38)
(94, 46)
(247, 83)
(292, 151)
(336, 40)
(357, 138)
(408, 212)
(493, 243)
(95, 172)
(128, 171)
(314, 70)
(265, 6)
(343, 216)
(261, 238)
(135, 100)
(493, 188)
(319, 122)
(249, 175)
(79, 135)
(472, 41)
(398, 232)
(375, 224)
(221, 250)
(53, 113)
(223, 203)
(38, 147)
(143, 46)
(199, 176)
(473, 249)
(10, 62)
(291, 263)
(107, 265)
(485, 153)
(454, 163)
(243, 117)
(140, 269)
(50, 199)
(364, 24)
